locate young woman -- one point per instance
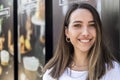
(81, 53)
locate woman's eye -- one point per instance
(92, 25)
(77, 25)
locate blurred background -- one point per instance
(39, 24)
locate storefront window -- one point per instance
(31, 40)
(6, 40)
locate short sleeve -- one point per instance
(113, 74)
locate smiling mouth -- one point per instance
(85, 41)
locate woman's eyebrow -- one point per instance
(91, 21)
(82, 22)
(77, 22)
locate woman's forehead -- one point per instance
(80, 15)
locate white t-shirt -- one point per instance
(112, 74)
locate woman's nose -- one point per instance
(85, 32)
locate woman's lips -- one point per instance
(84, 40)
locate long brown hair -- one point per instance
(98, 55)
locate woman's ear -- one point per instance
(66, 32)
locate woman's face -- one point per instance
(81, 30)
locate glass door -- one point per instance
(6, 40)
(31, 39)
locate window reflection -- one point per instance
(31, 28)
(6, 40)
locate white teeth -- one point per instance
(84, 40)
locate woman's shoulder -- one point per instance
(113, 73)
(47, 76)
(116, 64)
(115, 69)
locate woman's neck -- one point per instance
(80, 61)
